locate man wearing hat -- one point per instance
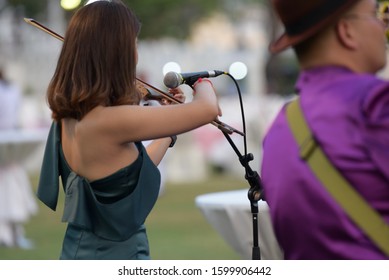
(340, 46)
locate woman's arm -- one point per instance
(157, 149)
(123, 124)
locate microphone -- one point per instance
(173, 79)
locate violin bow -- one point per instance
(222, 126)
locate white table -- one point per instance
(16, 145)
(230, 214)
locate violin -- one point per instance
(163, 98)
(142, 86)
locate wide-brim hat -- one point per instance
(304, 18)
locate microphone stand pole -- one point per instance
(255, 193)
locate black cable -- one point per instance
(241, 110)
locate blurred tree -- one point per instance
(31, 8)
(174, 18)
(171, 18)
(159, 18)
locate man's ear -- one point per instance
(346, 34)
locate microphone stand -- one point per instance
(255, 193)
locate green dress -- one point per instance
(105, 217)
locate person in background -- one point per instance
(10, 102)
(110, 179)
(340, 46)
(17, 202)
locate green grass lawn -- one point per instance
(176, 228)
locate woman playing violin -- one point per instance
(111, 181)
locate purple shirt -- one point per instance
(349, 115)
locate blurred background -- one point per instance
(180, 36)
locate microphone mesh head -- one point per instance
(171, 80)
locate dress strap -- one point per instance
(48, 187)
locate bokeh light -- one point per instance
(171, 66)
(238, 70)
(70, 4)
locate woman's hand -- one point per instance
(177, 93)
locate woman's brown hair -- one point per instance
(97, 63)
